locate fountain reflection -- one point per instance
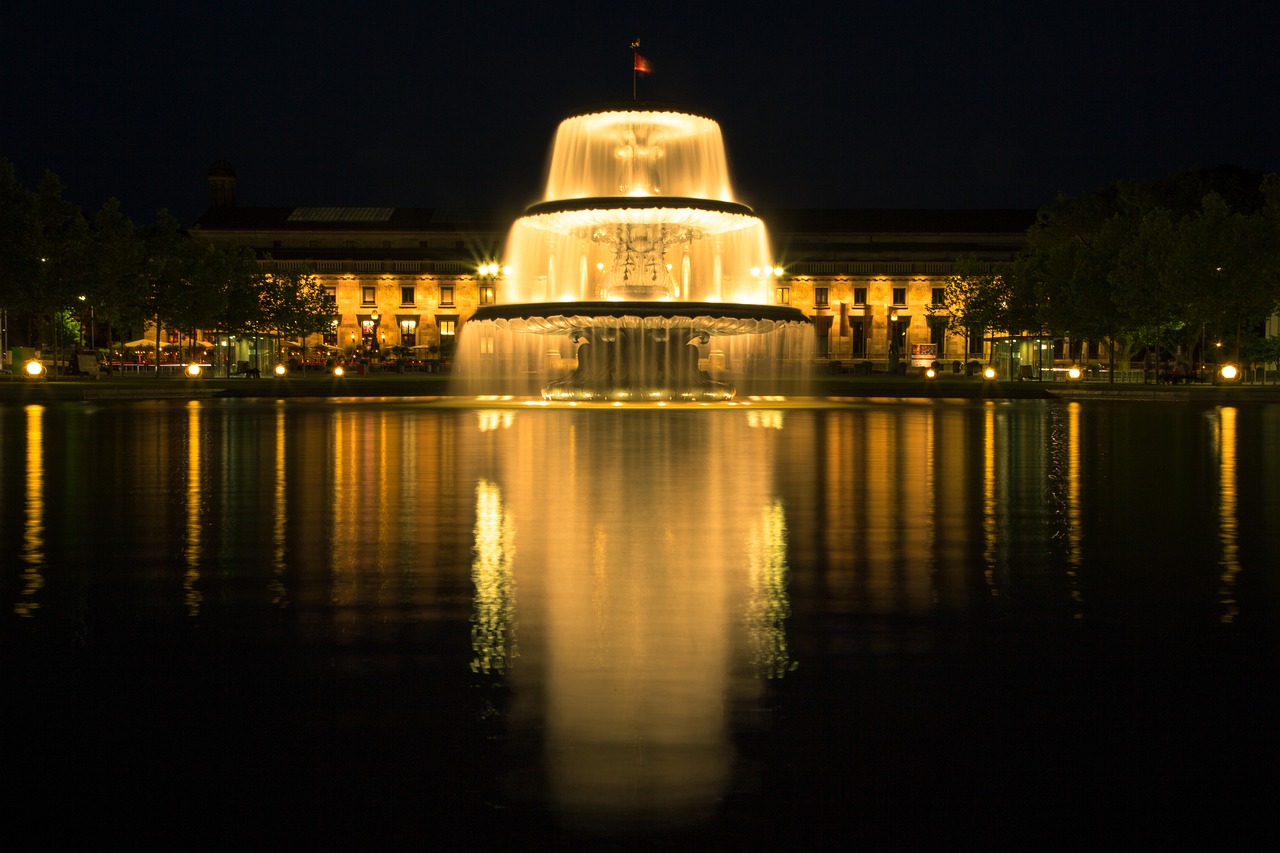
(647, 613)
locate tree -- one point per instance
(977, 299)
(19, 241)
(298, 305)
(117, 289)
(63, 253)
(1155, 262)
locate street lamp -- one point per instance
(488, 272)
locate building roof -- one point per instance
(779, 221)
(897, 221)
(348, 219)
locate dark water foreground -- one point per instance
(370, 623)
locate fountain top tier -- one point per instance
(638, 208)
(638, 149)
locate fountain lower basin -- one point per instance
(639, 351)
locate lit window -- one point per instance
(820, 296)
(446, 294)
(486, 294)
(448, 327)
(408, 332)
(368, 295)
(783, 295)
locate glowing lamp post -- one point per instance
(33, 369)
(488, 273)
(1074, 374)
(989, 374)
(193, 370)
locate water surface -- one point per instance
(338, 621)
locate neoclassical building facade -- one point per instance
(412, 276)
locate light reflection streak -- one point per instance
(931, 505)
(765, 418)
(990, 500)
(279, 516)
(33, 525)
(1075, 526)
(768, 607)
(491, 419)
(1228, 509)
(192, 596)
(493, 637)
(346, 490)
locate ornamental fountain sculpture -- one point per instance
(638, 277)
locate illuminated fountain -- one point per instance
(637, 277)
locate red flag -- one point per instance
(643, 66)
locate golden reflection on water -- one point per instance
(191, 594)
(991, 479)
(33, 556)
(493, 630)
(1224, 422)
(279, 515)
(652, 583)
(768, 605)
(1075, 526)
(348, 474)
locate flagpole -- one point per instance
(635, 53)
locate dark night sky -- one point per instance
(873, 104)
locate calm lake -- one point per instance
(365, 623)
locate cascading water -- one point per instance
(637, 277)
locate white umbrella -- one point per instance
(141, 343)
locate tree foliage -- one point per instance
(56, 262)
(1157, 264)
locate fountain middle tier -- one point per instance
(681, 249)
